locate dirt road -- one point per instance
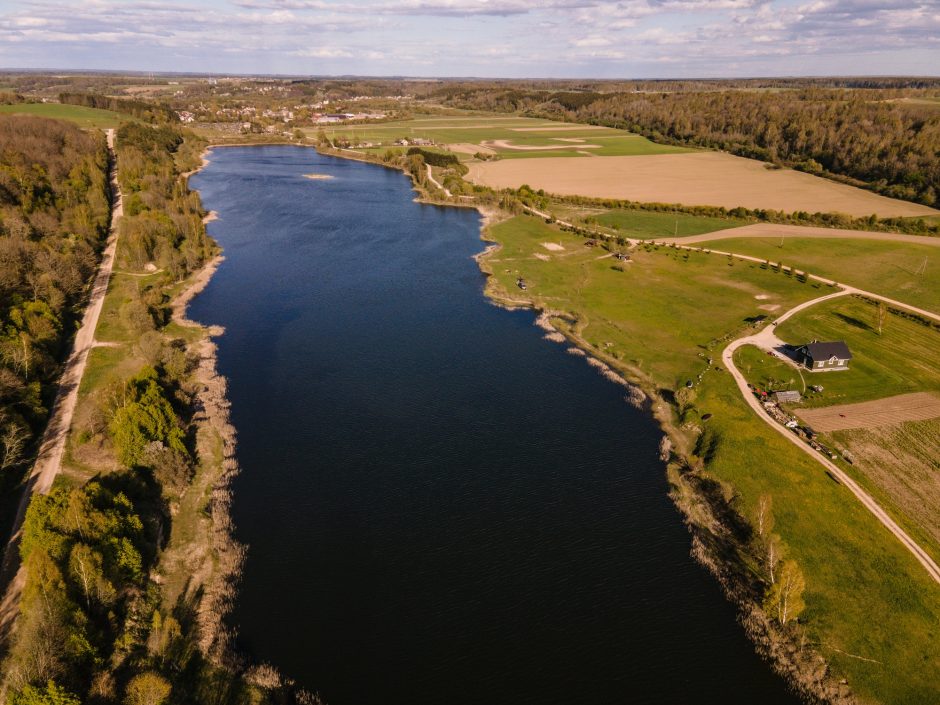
(52, 446)
(767, 230)
(766, 339)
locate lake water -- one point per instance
(441, 507)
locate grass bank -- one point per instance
(661, 320)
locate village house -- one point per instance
(824, 357)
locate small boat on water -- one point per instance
(520, 282)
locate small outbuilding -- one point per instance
(790, 396)
(824, 357)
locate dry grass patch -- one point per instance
(699, 178)
(902, 460)
(920, 406)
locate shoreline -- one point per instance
(802, 669)
(212, 415)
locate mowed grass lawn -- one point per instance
(80, 115)
(892, 269)
(904, 358)
(866, 596)
(568, 138)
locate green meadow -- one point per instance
(905, 271)
(80, 115)
(872, 610)
(903, 358)
(568, 138)
(645, 225)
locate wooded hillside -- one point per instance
(53, 220)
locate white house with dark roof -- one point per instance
(824, 357)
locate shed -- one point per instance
(789, 396)
(823, 357)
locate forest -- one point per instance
(861, 136)
(91, 626)
(149, 112)
(54, 210)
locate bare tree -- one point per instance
(765, 518)
(882, 315)
(13, 440)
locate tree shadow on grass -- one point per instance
(852, 321)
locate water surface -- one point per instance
(441, 507)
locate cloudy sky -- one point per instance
(498, 38)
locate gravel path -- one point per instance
(52, 446)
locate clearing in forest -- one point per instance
(695, 179)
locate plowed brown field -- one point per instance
(698, 178)
(871, 414)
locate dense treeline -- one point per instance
(150, 112)
(162, 221)
(856, 134)
(54, 207)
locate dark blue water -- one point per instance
(441, 507)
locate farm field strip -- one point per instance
(919, 406)
(80, 115)
(508, 137)
(698, 178)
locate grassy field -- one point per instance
(892, 462)
(666, 314)
(631, 305)
(646, 225)
(82, 116)
(904, 358)
(887, 268)
(565, 139)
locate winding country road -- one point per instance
(766, 339)
(52, 446)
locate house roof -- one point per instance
(823, 351)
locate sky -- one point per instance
(486, 38)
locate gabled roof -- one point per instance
(824, 351)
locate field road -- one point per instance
(768, 230)
(766, 339)
(436, 183)
(52, 446)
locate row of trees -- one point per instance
(54, 207)
(860, 134)
(150, 112)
